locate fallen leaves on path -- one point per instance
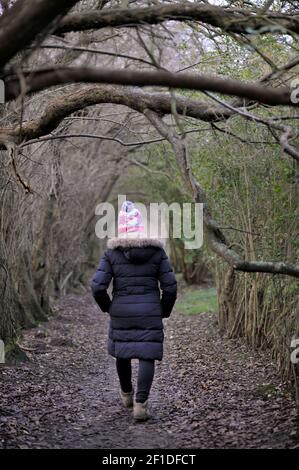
(209, 392)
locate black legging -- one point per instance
(146, 372)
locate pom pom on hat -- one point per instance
(129, 219)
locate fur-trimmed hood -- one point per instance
(139, 242)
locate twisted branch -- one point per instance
(215, 236)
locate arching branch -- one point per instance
(137, 100)
(228, 19)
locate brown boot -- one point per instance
(127, 398)
(140, 411)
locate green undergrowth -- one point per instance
(195, 301)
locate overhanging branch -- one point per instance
(40, 79)
(227, 19)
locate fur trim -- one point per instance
(134, 242)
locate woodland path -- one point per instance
(209, 392)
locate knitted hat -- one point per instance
(129, 219)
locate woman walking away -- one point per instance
(138, 266)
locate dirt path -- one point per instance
(209, 392)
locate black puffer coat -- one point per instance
(137, 267)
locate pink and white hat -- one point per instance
(129, 219)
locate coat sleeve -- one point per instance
(100, 283)
(168, 286)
